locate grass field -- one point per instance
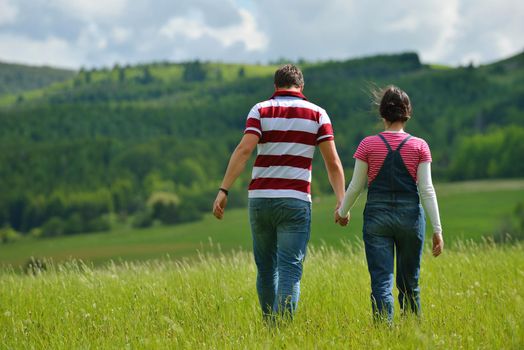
(472, 295)
(469, 210)
(472, 298)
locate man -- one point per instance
(286, 129)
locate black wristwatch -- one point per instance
(224, 190)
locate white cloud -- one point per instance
(49, 51)
(444, 18)
(191, 28)
(406, 23)
(492, 29)
(92, 38)
(91, 9)
(441, 31)
(194, 28)
(8, 12)
(121, 35)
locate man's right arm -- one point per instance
(236, 165)
(334, 169)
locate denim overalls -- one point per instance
(394, 220)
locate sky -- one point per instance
(95, 33)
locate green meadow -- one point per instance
(469, 211)
(193, 286)
(472, 298)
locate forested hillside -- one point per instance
(151, 142)
(16, 78)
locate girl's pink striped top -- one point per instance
(373, 151)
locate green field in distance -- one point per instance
(469, 210)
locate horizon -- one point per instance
(268, 63)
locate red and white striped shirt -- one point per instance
(373, 151)
(289, 128)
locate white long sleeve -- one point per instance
(357, 184)
(428, 195)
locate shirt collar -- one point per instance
(288, 93)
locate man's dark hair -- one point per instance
(287, 76)
(394, 104)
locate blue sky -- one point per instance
(93, 33)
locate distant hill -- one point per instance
(513, 63)
(150, 142)
(16, 78)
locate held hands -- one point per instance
(220, 205)
(342, 221)
(438, 244)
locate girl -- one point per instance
(397, 167)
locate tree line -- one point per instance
(134, 145)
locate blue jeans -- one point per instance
(388, 227)
(280, 228)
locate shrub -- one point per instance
(164, 206)
(511, 228)
(74, 224)
(98, 224)
(53, 227)
(142, 219)
(8, 235)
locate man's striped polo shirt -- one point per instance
(289, 128)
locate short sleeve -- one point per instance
(325, 130)
(425, 153)
(253, 125)
(362, 151)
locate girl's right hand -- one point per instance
(438, 244)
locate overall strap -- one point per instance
(387, 144)
(403, 142)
